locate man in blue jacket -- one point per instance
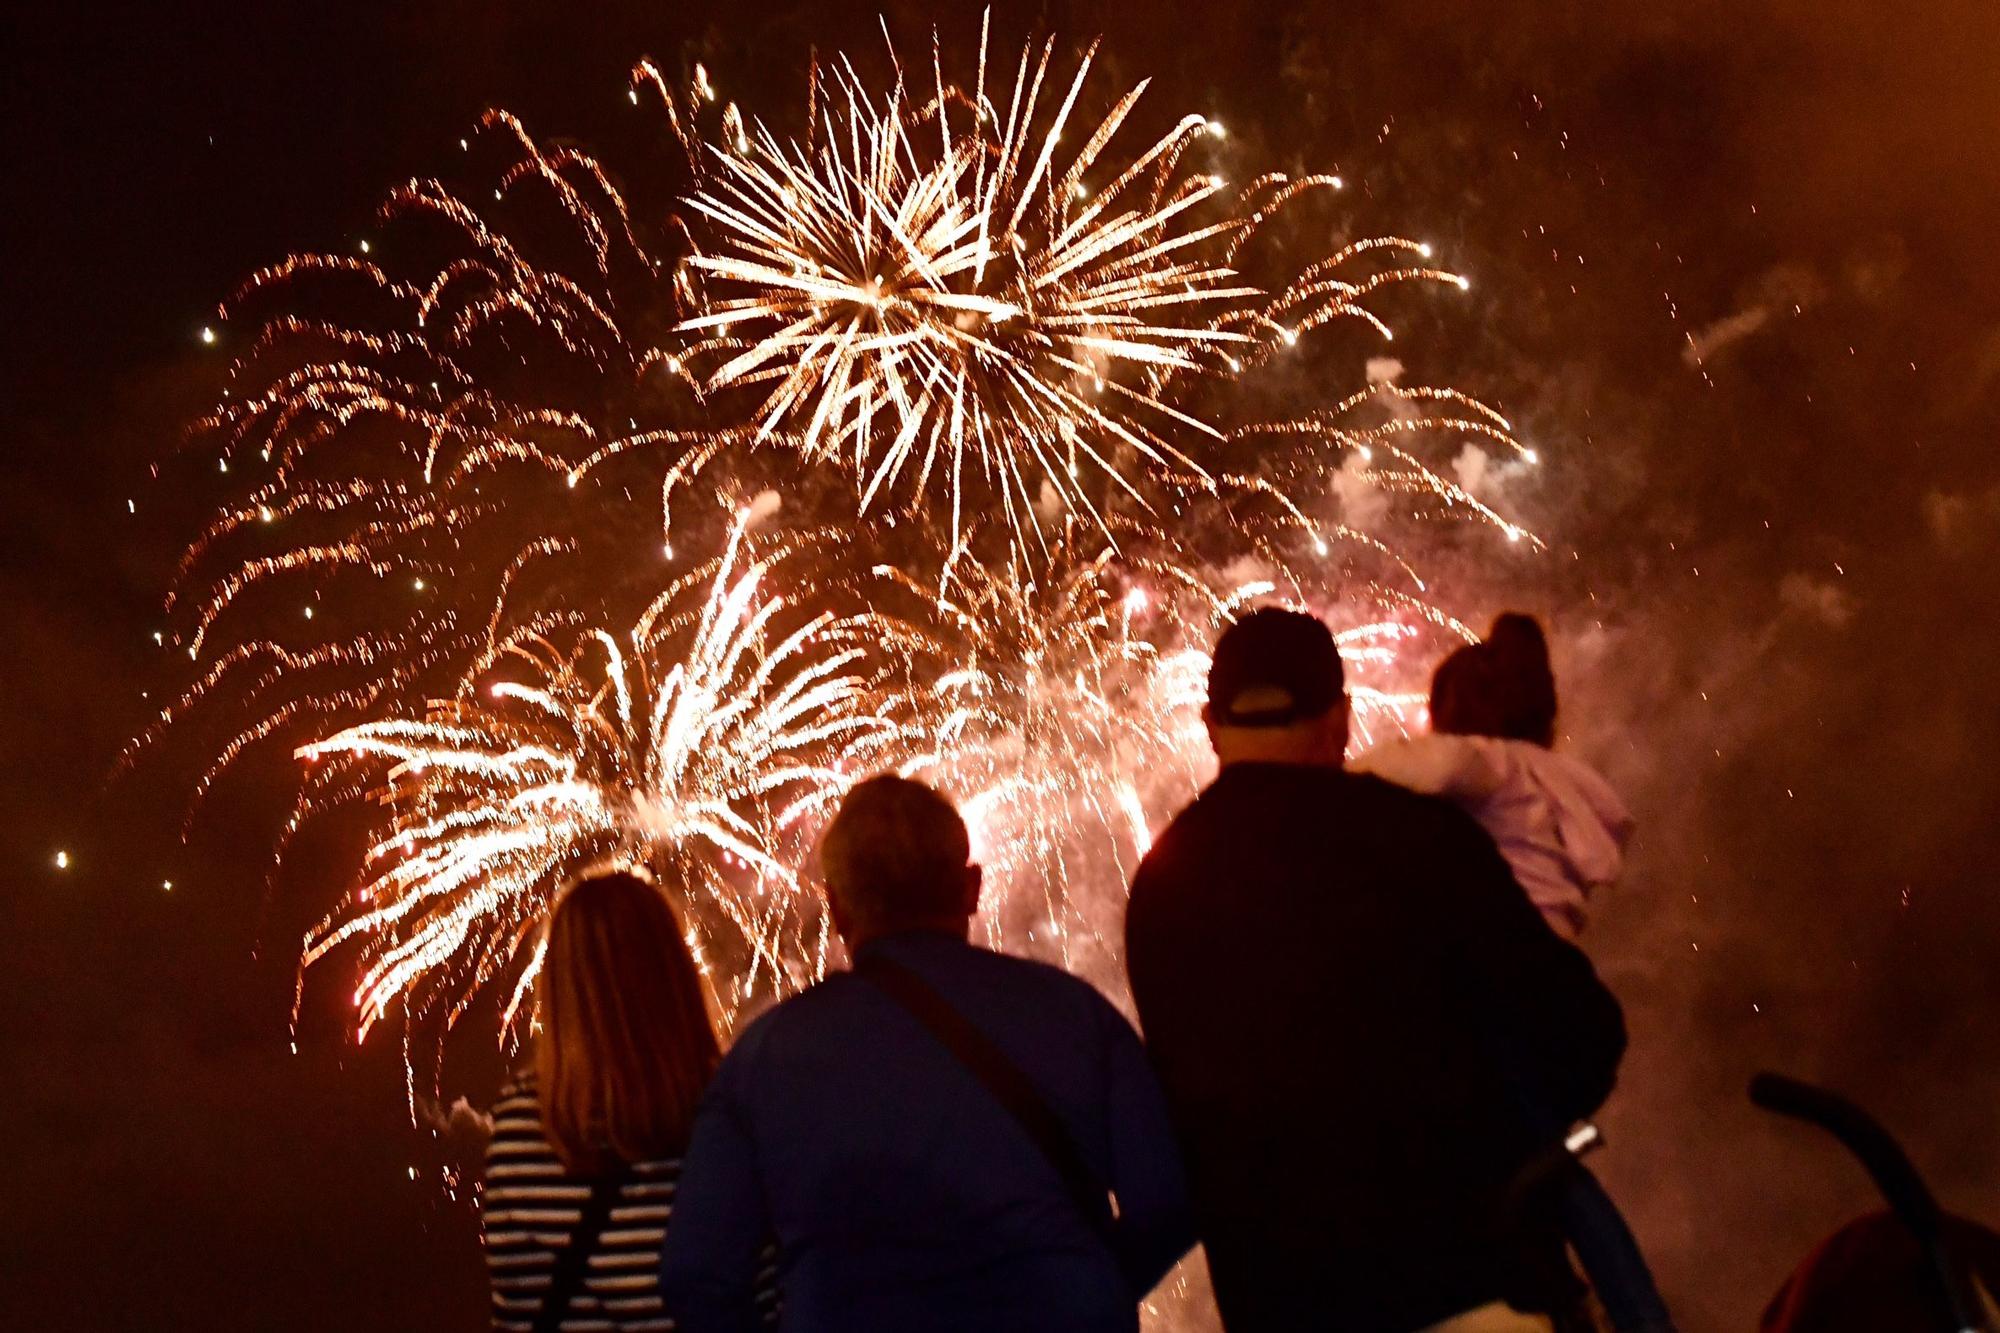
(902, 1191)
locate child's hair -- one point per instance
(1501, 686)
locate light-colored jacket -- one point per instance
(1559, 824)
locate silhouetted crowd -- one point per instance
(1369, 1040)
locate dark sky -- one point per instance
(1734, 278)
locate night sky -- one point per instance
(1734, 278)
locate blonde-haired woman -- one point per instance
(581, 1171)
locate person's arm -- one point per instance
(1155, 1225)
(493, 1199)
(708, 1266)
(1537, 992)
(1142, 942)
(1157, 960)
(1455, 767)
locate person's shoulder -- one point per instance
(800, 1013)
(1422, 750)
(1398, 812)
(514, 1126)
(1189, 829)
(1585, 778)
(1240, 790)
(1034, 972)
(775, 1020)
(1050, 989)
(1372, 791)
(517, 1098)
(1285, 803)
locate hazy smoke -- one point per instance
(1788, 289)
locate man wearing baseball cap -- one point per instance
(1343, 988)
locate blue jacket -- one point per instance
(900, 1194)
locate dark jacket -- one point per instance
(1345, 993)
(900, 1192)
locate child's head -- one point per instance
(1501, 686)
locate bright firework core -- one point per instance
(928, 438)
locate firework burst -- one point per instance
(932, 290)
(401, 459)
(1064, 716)
(703, 745)
(1005, 328)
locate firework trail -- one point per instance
(697, 745)
(1007, 341)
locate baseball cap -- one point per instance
(1272, 668)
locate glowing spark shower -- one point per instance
(932, 290)
(1069, 722)
(1016, 348)
(696, 745)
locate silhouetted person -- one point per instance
(585, 1151)
(1491, 752)
(903, 1190)
(1328, 968)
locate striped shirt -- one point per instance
(531, 1209)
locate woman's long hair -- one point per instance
(626, 1046)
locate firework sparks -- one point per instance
(418, 434)
(1008, 330)
(1066, 719)
(698, 746)
(1069, 725)
(931, 290)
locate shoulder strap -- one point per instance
(567, 1277)
(1002, 1078)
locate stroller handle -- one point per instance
(1885, 1160)
(1863, 1136)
